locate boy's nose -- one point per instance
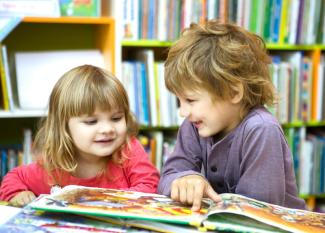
(183, 111)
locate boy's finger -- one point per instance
(197, 199)
(174, 194)
(190, 195)
(183, 194)
(212, 194)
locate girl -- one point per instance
(229, 142)
(88, 138)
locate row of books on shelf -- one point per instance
(308, 149)
(277, 21)
(297, 75)
(150, 100)
(158, 145)
(13, 155)
(81, 209)
(300, 85)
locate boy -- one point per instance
(229, 142)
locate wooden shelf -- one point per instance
(74, 20)
(66, 33)
(146, 43)
(23, 113)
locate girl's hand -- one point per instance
(23, 198)
(191, 189)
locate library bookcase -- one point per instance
(300, 120)
(294, 34)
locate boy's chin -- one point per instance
(205, 134)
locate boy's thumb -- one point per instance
(212, 194)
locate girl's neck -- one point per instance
(85, 169)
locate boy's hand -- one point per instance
(191, 189)
(23, 198)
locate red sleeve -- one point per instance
(139, 171)
(26, 177)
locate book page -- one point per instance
(7, 212)
(119, 203)
(285, 218)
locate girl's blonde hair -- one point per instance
(217, 57)
(79, 91)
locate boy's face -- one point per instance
(98, 135)
(208, 116)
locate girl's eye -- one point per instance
(190, 100)
(117, 118)
(90, 122)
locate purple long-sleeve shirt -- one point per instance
(253, 160)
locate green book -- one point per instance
(234, 213)
(90, 8)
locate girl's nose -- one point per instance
(106, 127)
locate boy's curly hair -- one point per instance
(216, 57)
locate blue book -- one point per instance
(4, 163)
(7, 24)
(276, 16)
(145, 96)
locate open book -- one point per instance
(233, 213)
(30, 221)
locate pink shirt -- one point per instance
(137, 174)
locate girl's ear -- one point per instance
(238, 92)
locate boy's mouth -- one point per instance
(197, 124)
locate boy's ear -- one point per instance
(238, 92)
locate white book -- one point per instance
(211, 9)
(162, 20)
(165, 120)
(37, 73)
(240, 13)
(44, 8)
(128, 80)
(293, 21)
(305, 165)
(147, 56)
(188, 12)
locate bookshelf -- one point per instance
(106, 34)
(284, 27)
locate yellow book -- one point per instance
(284, 22)
(4, 88)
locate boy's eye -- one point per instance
(190, 100)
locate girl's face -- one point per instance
(98, 135)
(210, 117)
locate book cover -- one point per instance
(234, 212)
(87, 8)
